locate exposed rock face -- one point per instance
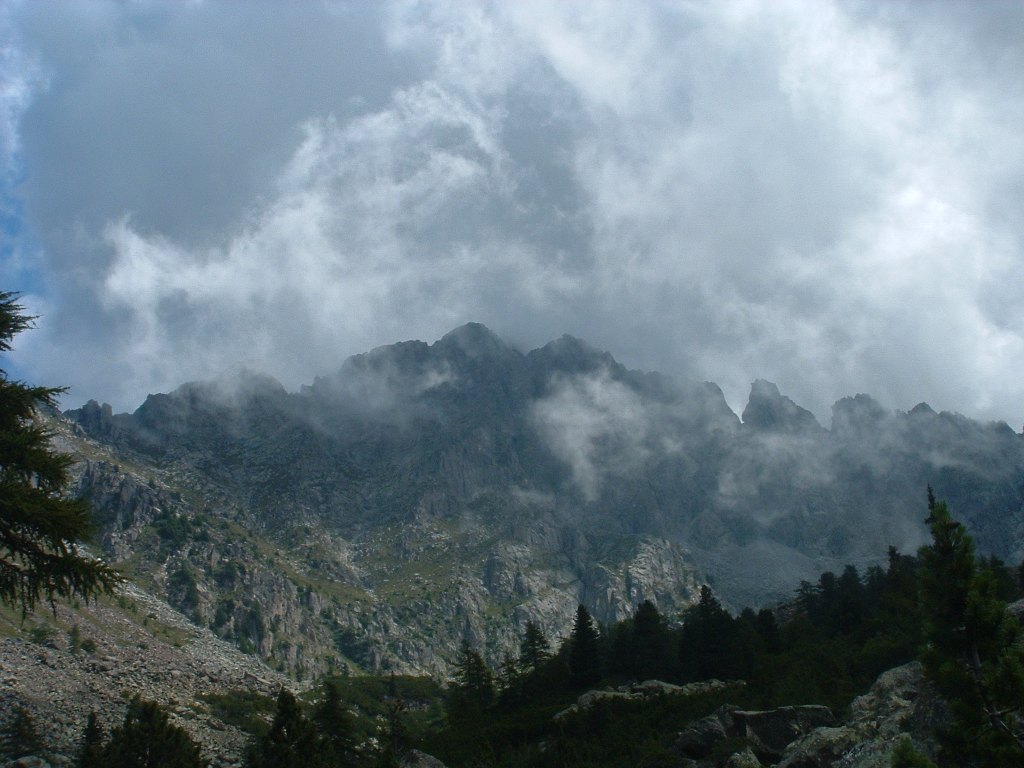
(900, 703)
(647, 690)
(769, 411)
(424, 494)
(133, 646)
(416, 759)
(768, 733)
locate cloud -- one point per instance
(821, 194)
(595, 424)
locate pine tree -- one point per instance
(973, 654)
(708, 643)
(335, 725)
(19, 736)
(90, 754)
(474, 681)
(39, 526)
(534, 649)
(510, 678)
(148, 739)
(292, 741)
(584, 651)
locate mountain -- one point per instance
(426, 493)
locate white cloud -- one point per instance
(817, 193)
(597, 425)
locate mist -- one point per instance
(821, 194)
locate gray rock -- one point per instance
(771, 731)
(821, 747)
(900, 703)
(744, 759)
(700, 737)
(416, 759)
(30, 761)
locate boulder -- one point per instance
(416, 759)
(771, 731)
(30, 761)
(744, 759)
(821, 747)
(700, 737)
(900, 703)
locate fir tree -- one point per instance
(534, 649)
(291, 742)
(584, 651)
(19, 736)
(90, 753)
(39, 526)
(973, 654)
(708, 642)
(148, 739)
(473, 688)
(335, 725)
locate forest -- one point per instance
(945, 606)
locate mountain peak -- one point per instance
(770, 411)
(475, 340)
(860, 413)
(569, 354)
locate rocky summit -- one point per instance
(428, 493)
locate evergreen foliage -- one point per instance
(291, 742)
(334, 724)
(906, 756)
(19, 736)
(534, 649)
(584, 651)
(90, 753)
(147, 739)
(473, 689)
(39, 526)
(973, 654)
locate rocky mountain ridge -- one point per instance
(429, 493)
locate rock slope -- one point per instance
(429, 493)
(97, 657)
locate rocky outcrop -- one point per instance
(647, 690)
(768, 410)
(416, 759)
(900, 704)
(766, 734)
(97, 657)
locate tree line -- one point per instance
(946, 606)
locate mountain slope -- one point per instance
(423, 494)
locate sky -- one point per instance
(823, 194)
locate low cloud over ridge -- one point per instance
(817, 193)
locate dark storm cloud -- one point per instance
(820, 194)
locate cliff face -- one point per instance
(428, 493)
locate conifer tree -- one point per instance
(148, 739)
(510, 678)
(90, 754)
(584, 651)
(335, 725)
(474, 681)
(708, 642)
(39, 525)
(973, 654)
(19, 736)
(534, 649)
(291, 742)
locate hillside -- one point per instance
(424, 494)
